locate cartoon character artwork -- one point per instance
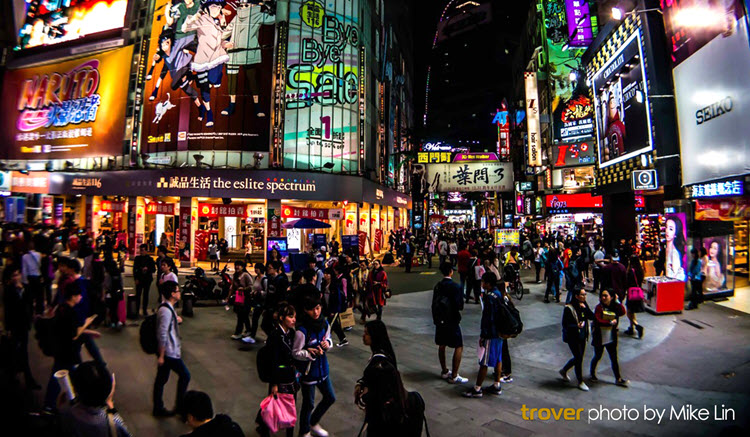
(162, 108)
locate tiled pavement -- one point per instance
(675, 364)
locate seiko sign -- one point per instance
(714, 110)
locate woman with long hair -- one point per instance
(604, 334)
(675, 248)
(242, 284)
(714, 268)
(634, 278)
(377, 286)
(380, 391)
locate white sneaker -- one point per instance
(236, 337)
(248, 340)
(318, 431)
(447, 375)
(564, 375)
(583, 386)
(458, 380)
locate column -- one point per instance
(273, 223)
(185, 231)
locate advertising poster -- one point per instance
(50, 22)
(623, 118)
(71, 109)
(716, 269)
(534, 152)
(581, 25)
(208, 85)
(575, 178)
(475, 176)
(322, 86)
(507, 237)
(714, 133)
(675, 232)
(571, 155)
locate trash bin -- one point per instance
(132, 302)
(187, 304)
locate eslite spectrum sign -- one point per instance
(533, 123)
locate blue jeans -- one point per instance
(162, 376)
(307, 416)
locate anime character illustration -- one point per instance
(177, 64)
(676, 245)
(715, 278)
(245, 49)
(212, 31)
(162, 108)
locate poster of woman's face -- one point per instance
(716, 265)
(675, 235)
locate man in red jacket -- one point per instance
(463, 258)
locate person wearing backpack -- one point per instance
(17, 307)
(66, 337)
(447, 304)
(311, 343)
(199, 415)
(169, 353)
(575, 332)
(242, 283)
(490, 342)
(554, 267)
(278, 360)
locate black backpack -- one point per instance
(441, 307)
(264, 363)
(45, 334)
(415, 417)
(147, 332)
(507, 318)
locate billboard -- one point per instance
(208, 85)
(71, 109)
(623, 119)
(575, 154)
(711, 114)
(50, 22)
(565, 201)
(581, 25)
(479, 176)
(675, 234)
(533, 124)
(322, 114)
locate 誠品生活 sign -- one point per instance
(474, 176)
(70, 109)
(711, 88)
(534, 150)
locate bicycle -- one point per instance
(512, 275)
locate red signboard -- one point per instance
(36, 183)
(132, 220)
(313, 213)
(274, 223)
(582, 200)
(160, 208)
(110, 206)
(182, 243)
(212, 210)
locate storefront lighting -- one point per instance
(644, 160)
(573, 76)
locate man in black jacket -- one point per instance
(200, 417)
(447, 304)
(143, 273)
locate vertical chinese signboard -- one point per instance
(532, 120)
(182, 243)
(322, 112)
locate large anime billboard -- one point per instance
(208, 83)
(322, 85)
(50, 22)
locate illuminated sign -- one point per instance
(436, 147)
(160, 208)
(715, 189)
(533, 123)
(216, 210)
(379, 193)
(441, 157)
(67, 109)
(457, 212)
(110, 206)
(644, 180)
(456, 197)
(524, 186)
(52, 22)
(33, 182)
(322, 106)
(505, 237)
(461, 157)
(401, 201)
(580, 26)
(473, 176)
(569, 155)
(313, 213)
(565, 201)
(574, 119)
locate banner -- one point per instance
(215, 210)
(71, 109)
(182, 242)
(52, 22)
(313, 213)
(208, 86)
(323, 85)
(475, 176)
(621, 99)
(160, 208)
(111, 206)
(32, 183)
(532, 120)
(712, 91)
(570, 155)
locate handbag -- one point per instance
(635, 294)
(239, 297)
(279, 411)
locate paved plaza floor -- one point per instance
(699, 358)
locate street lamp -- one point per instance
(618, 14)
(573, 76)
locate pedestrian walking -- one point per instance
(31, 276)
(554, 267)
(169, 354)
(634, 279)
(311, 344)
(538, 255)
(575, 329)
(447, 304)
(334, 303)
(490, 343)
(17, 306)
(695, 274)
(242, 284)
(377, 288)
(257, 301)
(144, 268)
(408, 250)
(604, 335)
